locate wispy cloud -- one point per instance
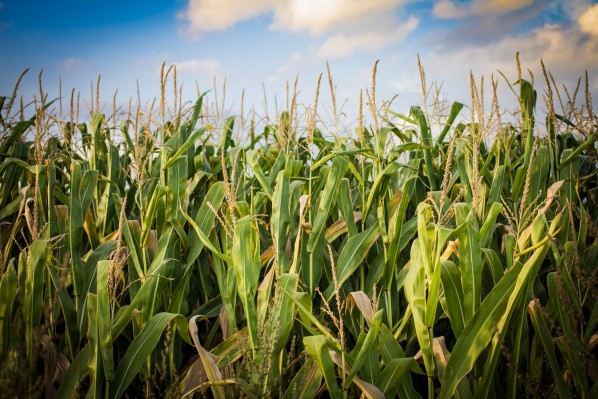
(486, 29)
(344, 44)
(71, 63)
(1, 6)
(208, 67)
(453, 9)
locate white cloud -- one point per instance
(588, 21)
(406, 84)
(451, 9)
(314, 16)
(342, 45)
(341, 26)
(207, 67)
(210, 15)
(318, 16)
(71, 63)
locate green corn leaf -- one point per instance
(131, 231)
(246, 263)
(306, 382)
(13, 161)
(82, 185)
(147, 294)
(487, 229)
(149, 297)
(94, 362)
(279, 164)
(95, 142)
(494, 313)
(8, 290)
(369, 390)
(232, 349)
(177, 184)
(346, 207)
(264, 294)
(204, 221)
(68, 310)
(185, 146)
(364, 352)
(352, 255)
(102, 252)
(537, 317)
(150, 213)
(415, 292)
(455, 109)
(106, 211)
(227, 133)
(477, 333)
(497, 184)
(391, 377)
(141, 348)
(539, 173)
(205, 240)
(104, 317)
(379, 183)
(327, 199)
(75, 373)
(425, 235)
(306, 314)
(441, 235)
(569, 344)
(317, 349)
(34, 288)
(451, 282)
(470, 260)
(571, 155)
(328, 157)
(252, 158)
(284, 315)
(12, 207)
(426, 139)
(281, 219)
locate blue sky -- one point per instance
(269, 42)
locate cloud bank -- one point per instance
(314, 16)
(342, 26)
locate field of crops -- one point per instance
(176, 251)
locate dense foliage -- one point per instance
(190, 255)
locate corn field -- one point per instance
(179, 252)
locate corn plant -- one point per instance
(427, 254)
